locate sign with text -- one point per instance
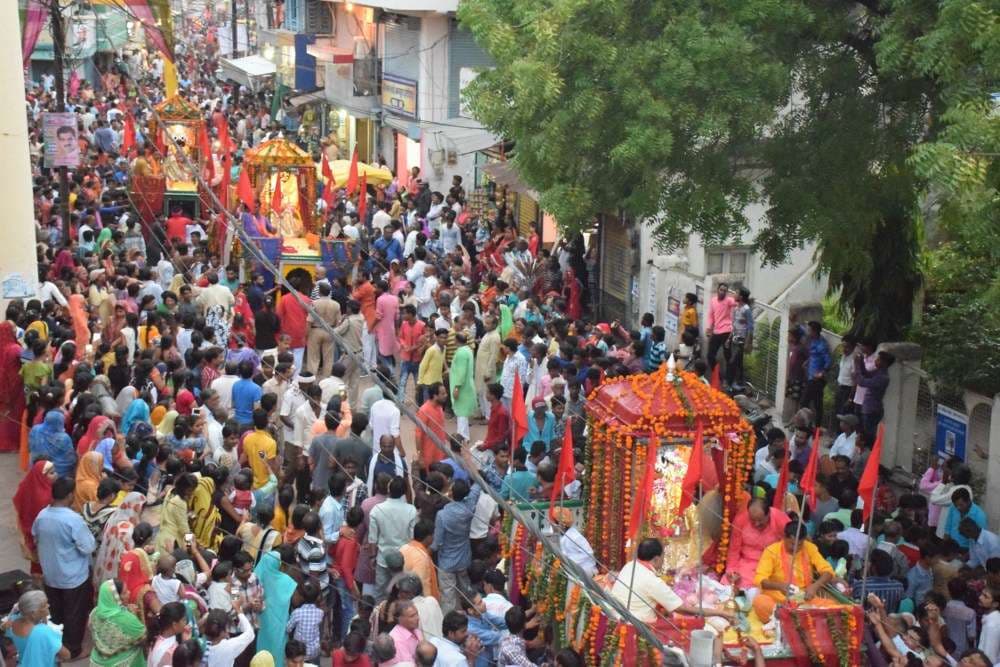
(399, 96)
(951, 429)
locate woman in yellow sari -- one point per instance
(88, 476)
(205, 513)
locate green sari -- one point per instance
(506, 321)
(118, 634)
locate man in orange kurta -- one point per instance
(431, 414)
(417, 557)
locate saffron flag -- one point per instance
(330, 185)
(565, 474)
(782, 490)
(869, 478)
(276, 195)
(363, 199)
(518, 415)
(692, 477)
(645, 491)
(245, 190)
(808, 483)
(222, 129)
(206, 151)
(128, 138)
(352, 175)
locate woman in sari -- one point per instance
(137, 411)
(124, 400)
(38, 644)
(135, 571)
(88, 476)
(165, 428)
(278, 588)
(81, 325)
(118, 634)
(33, 494)
(174, 515)
(116, 539)
(571, 294)
(11, 388)
(112, 334)
(205, 512)
(100, 427)
(50, 440)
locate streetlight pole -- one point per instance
(58, 45)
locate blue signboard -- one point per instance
(950, 433)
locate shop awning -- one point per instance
(251, 71)
(504, 173)
(306, 98)
(459, 134)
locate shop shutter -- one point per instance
(616, 268)
(402, 48)
(463, 52)
(527, 215)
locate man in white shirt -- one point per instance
(223, 650)
(410, 242)
(436, 211)
(573, 544)
(455, 642)
(415, 274)
(639, 587)
(381, 217)
(426, 306)
(223, 386)
(844, 445)
(383, 419)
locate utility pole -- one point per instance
(236, 36)
(58, 46)
(246, 9)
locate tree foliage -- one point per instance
(687, 112)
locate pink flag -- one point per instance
(34, 21)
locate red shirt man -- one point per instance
(177, 225)
(293, 319)
(411, 334)
(498, 427)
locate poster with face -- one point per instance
(61, 146)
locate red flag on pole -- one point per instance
(276, 195)
(644, 492)
(128, 138)
(692, 477)
(565, 474)
(869, 478)
(363, 198)
(244, 189)
(518, 414)
(780, 492)
(716, 379)
(206, 151)
(352, 175)
(808, 483)
(222, 128)
(327, 172)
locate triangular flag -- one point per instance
(128, 136)
(565, 474)
(352, 175)
(206, 151)
(244, 189)
(329, 185)
(716, 381)
(808, 483)
(276, 196)
(869, 478)
(222, 129)
(782, 489)
(326, 171)
(518, 415)
(692, 477)
(363, 199)
(644, 493)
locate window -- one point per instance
(726, 261)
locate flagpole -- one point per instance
(868, 551)
(701, 599)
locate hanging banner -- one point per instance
(950, 432)
(61, 146)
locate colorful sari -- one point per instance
(136, 572)
(49, 440)
(278, 589)
(206, 514)
(138, 411)
(12, 401)
(33, 494)
(42, 647)
(81, 324)
(88, 476)
(116, 540)
(118, 634)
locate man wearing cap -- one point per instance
(541, 424)
(844, 444)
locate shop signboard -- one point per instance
(950, 432)
(399, 96)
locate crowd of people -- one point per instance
(218, 469)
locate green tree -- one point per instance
(956, 43)
(685, 112)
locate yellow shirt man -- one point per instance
(260, 450)
(431, 366)
(777, 560)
